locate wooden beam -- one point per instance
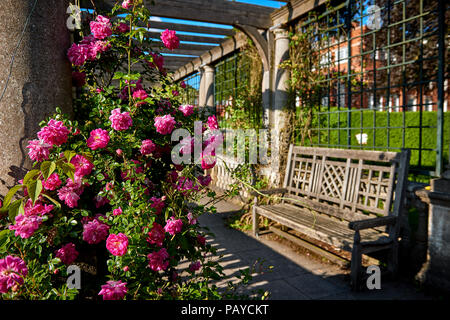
(213, 11)
(185, 46)
(184, 37)
(293, 10)
(228, 46)
(194, 53)
(190, 28)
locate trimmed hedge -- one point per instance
(365, 119)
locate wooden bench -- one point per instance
(350, 199)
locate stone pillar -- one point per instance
(206, 90)
(40, 78)
(280, 102)
(436, 272)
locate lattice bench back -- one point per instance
(348, 184)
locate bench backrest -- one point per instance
(348, 184)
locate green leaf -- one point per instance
(69, 154)
(11, 193)
(56, 203)
(34, 189)
(47, 168)
(118, 75)
(30, 175)
(4, 240)
(14, 209)
(68, 169)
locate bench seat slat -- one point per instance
(318, 226)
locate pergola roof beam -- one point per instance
(191, 38)
(190, 28)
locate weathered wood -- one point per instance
(191, 38)
(213, 11)
(190, 28)
(269, 191)
(343, 198)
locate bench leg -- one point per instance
(356, 263)
(393, 260)
(255, 221)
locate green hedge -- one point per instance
(365, 119)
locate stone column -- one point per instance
(436, 271)
(40, 78)
(208, 87)
(280, 99)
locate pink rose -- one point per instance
(156, 235)
(158, 204)
(165, 124)
(39, 150)
(12, 271)
(169, 39)
(78, 54)
(101, 27)
(126, 4)
(95, 231)
(25, 226)
(83, 166)
(212, 123)
(147, 147)
(120, 121)
(67, 253)
(173, 226)
(113, 290)
(194, 266)
(204, 180)
(123, 27)
(55, 133)
(158, 61)
(98, 139)
(208, 160)
(117, 244)
(186, 109)
(140, 95)
(183, 84)
(158, 260)
(52, 183)
(117, 212)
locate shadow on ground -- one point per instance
(286, 274)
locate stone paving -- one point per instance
(293, 276)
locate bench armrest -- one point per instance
(371, 223)
(268, 191)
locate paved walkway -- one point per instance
(294, 276)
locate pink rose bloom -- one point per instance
(117, 212)
(55, 133)
(98, 139)
(120, 121)
(69, 196)
(183, 84)
(165, 124)
(194, 266)
(37, 209)
(39, 150)
(95, 231)
(12, 272)
(186, 109)
(191, 218)
(113, 290)
(204, 180)
(123, 27)
(187, 145)
(175, 93)
(140, 95)
(147, 147)
(169, 39)
(126, 4)
(156, 235)
(68, 253)
(208, 160)
(78, 54)
(52, 183)
(201, 240)
(173, 226)
(83, 166)
(117, 244)
(158, 260)
(25, 226)
(212, 123)
(101, 27)
(119, 152)
(158, 204)
(158, 61)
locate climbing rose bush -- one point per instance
(103, 193)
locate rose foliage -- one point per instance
(103, 193)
